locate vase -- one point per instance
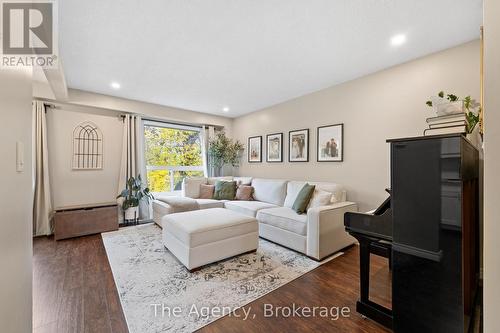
(475, 137)
(132, 213)
(218, 171)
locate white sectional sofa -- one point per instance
(318, 233)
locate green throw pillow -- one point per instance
(303, 198)
(224, 190)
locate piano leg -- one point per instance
(364, 306)
(390, 260)
(364, 269)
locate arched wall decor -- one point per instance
(87, 147)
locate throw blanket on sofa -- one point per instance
(179, 204)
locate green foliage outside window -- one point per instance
(171, 147)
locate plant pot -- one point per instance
(132, 213)
(218, 171)
(475, 137)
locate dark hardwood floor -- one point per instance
(74, 291)
(73, 287)
(333, 285)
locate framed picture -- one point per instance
(255, 149)
(298, 145)
(331, 143)
(275, 147)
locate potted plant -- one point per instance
(223, 151)
(472, 111)
(444, 105)
(467, 105)
(132, 196)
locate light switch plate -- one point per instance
(19, 156)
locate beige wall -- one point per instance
(42, 89)
(73, 187)
(387, 104)
(16, 197)
(492, 167)
(84, 187)
(80, 97)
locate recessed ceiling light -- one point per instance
(398, 40)
(115, 85)
(225, 109)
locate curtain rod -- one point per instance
(50, 105)
(53, 105)
(173, 122)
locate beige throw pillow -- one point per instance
(244, 192)
(207, 191)
(320, 198)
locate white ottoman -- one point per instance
(202, 237)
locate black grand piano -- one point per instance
(428, 230)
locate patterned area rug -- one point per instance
(158, 294)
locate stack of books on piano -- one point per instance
(447, 124)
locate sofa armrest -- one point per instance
(325, 229)
(160, 209)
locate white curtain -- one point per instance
(132, 163)
(129, 158)
(145, 210)
(209, 134)
(42, 205)
(204, 149)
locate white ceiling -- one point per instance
(248, 54)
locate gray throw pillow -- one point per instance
(224, 190)
(303, 198)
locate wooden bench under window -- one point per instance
(81, 220)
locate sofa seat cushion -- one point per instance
(210, 203)
(249, 208)
(202, 227)
(284, 218)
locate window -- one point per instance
(172, 152)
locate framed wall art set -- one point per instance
(329, 145)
